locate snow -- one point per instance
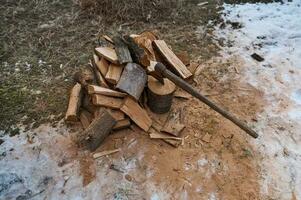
(273, 31)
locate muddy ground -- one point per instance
(44, 42)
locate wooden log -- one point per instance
(105, 101)
(132, 109)
(102, 65)
(93, 89)
(84, 76)
(85, 118)
(159, 96)
(122, 124)
(98, 76)
(176, 64)
(122, 51)
(132, 80)
(114, 73)
(144, 40)
(87, 103)
(108, 53)
(74, 103)
(107, 38)
(97, 131)
(117, 114)
(138, 54)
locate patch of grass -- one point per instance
(45, 42)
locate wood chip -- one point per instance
(206, 138)
(179, 93)
(163, 136)
(104, 153)
(173, 123)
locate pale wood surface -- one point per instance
(108, 53)
(74, 103)
(117, 114)
(114, 73)
(132, 109)
(102, 65)
(172, 59)
(104, 153)
(121, 124)
(93, 89)
(105, 101)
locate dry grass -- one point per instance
(148, 11)
(44, 41)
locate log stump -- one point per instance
(159, 96)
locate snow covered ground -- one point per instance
(273, 31)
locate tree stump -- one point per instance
(159, 96)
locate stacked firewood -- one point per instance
(119, 84)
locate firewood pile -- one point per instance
(120, 87)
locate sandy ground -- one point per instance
(44, 163)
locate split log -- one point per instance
(93, 89)
(132, 109)
(173, 124)
(144, 40)
(138, 54)
(108, 53)
(159, 96)
(107, 38)
(117, 114)
(97, 131)
(98, 76)
(114, 73)
(176, 64)
(85, 118)
(102, 65)
(122, 51)
(122, 124)
(109, 102)
(87, 103)
(74, 103)
(132, 80)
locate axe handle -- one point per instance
(188, 88)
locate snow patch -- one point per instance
(273, 31)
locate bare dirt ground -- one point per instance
(42, 162)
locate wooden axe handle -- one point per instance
(188, 88)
